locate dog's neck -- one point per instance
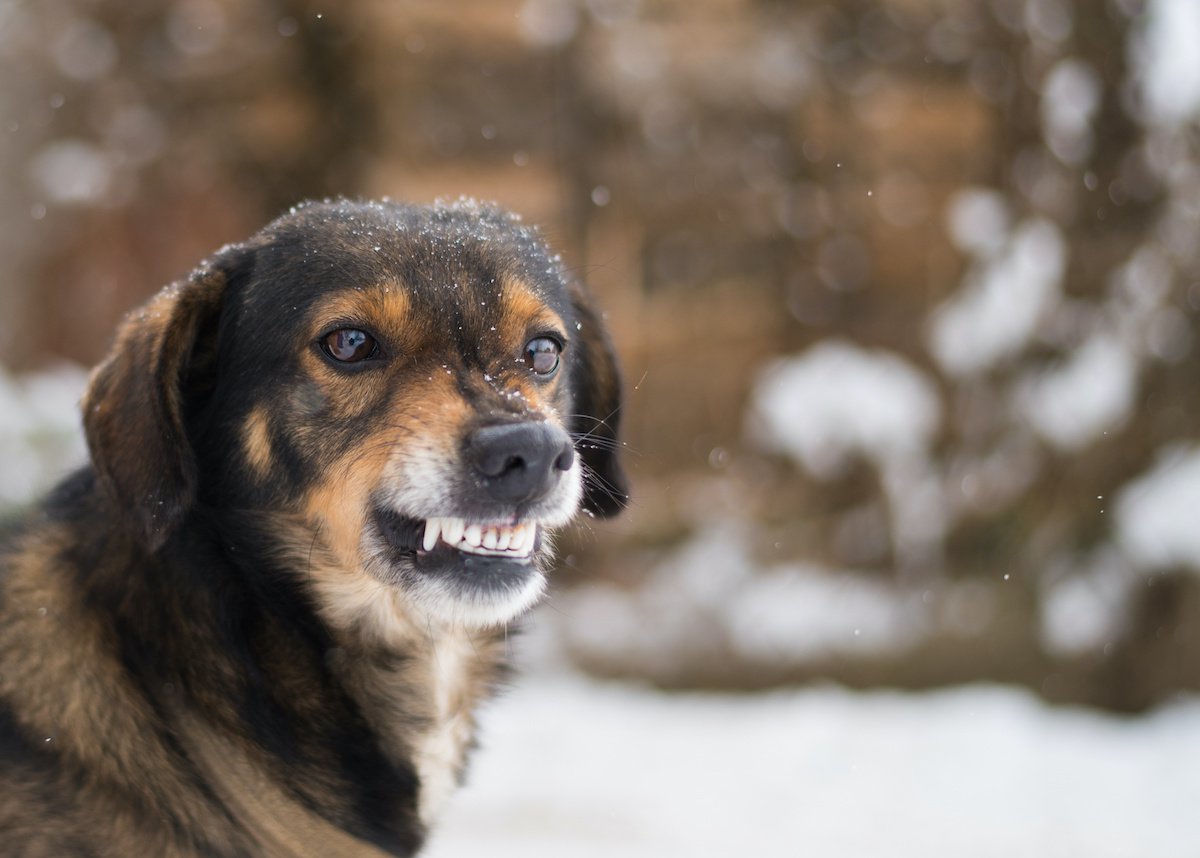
(417, 685)
(422, 705)
(418, 689)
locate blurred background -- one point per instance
(906, 294)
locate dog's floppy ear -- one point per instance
(134, 406)
(596, 419)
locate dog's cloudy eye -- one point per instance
(348, 345)
(542, 355)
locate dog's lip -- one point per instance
(502, 540)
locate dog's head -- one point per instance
(422, 393)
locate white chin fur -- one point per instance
(449, 603)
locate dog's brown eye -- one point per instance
(348, 345)
(542, 356)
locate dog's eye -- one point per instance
(542, 356)
(348, 345)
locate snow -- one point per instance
(978, 220)
(794, 613)
(41, 438)
(839, 399)
(72, 172)
(1166, 57)
(572, 767)
(1156, 513)
(1091, 393)
(1071, 96)
(1004, 297)
(548, 23)
(709, 598)
(1087, 610)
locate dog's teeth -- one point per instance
(489, 540)
(452, 530)
(433, 528)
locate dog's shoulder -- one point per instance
(251, 748)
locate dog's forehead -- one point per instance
(453, 255)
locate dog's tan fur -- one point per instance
(222, 637)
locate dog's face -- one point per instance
(420, 392)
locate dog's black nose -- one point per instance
(519, 462)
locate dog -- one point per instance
(325, 471)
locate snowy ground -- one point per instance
(570, 767)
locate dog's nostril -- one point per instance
(512, 463)
(519, 462)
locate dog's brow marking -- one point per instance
(386, 307)
(522, 308)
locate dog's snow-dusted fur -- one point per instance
(237, 632)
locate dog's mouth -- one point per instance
(439, 535)
(471, 573)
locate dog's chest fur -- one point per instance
(420, 698)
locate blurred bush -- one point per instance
(906, 291)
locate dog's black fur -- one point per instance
(227, 635)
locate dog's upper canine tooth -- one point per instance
(433, 528)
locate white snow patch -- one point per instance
(72, 171)
(799, 613)
(978, 220)
(838, 399)
(711, 598)
(1156, 515)
(41, 438)
(677, 612)
(1004, 297)
(548, 23)
(1070, 97)
(1165, 53)
(1139, 288)
(1088, 609)
(1093, 392)
(571, 767)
